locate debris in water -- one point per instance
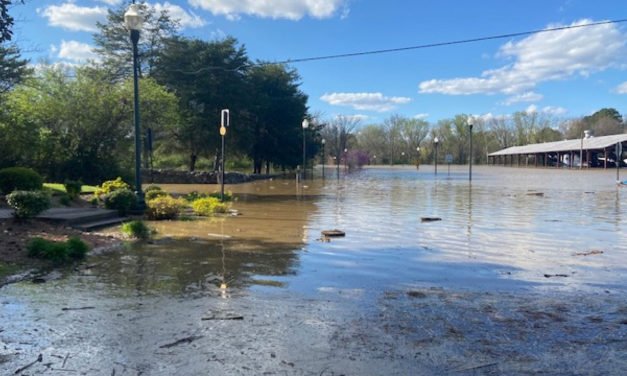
(589, 253)
(555, 275)
(539, 194)
(40, 358)
(430, 219)
(333, 233)
(189, 339)
(76, 308)
(223, 318)
(220, 236)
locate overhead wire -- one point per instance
(441, 44)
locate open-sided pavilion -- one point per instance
(584, 152)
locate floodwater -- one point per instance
(524, 272)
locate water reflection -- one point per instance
(508, 225)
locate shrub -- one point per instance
(73, 188)
(19, 178)
(58, 252)
(121, 200)
(65, 200)
(208, 206)
(76, 248)
(193, 196)
(28, 204)
(152, 187)
(164, 207)
(111, 186)
(154, 193)
(136, 229)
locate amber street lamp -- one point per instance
(436, 141)
(305, 125)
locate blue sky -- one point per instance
(563, 74)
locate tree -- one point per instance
(206, 77)
(276, 111)
(605, 122)
(12, 67)
(78, 127)
(113, 42)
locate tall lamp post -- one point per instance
(346, 159)
(436, 141)
(417, 157)
(305, 126)
(470, 156)
(133, 21)
(323, 156)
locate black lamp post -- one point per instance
(436, 141)
(470, 156)
(323, 156)
(305, 126)
(417, 157)
(133, 21)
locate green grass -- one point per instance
(58, 187)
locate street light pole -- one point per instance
(305, 126)
(417, 157)
(323, 159)
(133, 21)
(224, 123)
(470, 156)
(436, 142)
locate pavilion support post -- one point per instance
(605, 158)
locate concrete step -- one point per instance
(90, 226)
(76, 216)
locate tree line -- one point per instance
(76, 122)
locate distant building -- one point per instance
(603, 152)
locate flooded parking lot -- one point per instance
(524, 273)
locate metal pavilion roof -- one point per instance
(592, 143)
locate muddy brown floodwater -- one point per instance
(524, 274)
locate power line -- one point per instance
(440, 44)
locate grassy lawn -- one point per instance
(60, 188)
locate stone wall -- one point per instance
(196, 177)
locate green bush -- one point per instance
(152, 187)
(111, 186)
(65, 200)
(58, 252)
(20, 179)
(164, 207)
(193, 196)
(136, 229)
(208, 206)
(73, 188)
(121, 200)
(28, 204)
(154, 192)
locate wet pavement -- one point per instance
(525, 274)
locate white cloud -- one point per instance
(72, 17)
(529, 96)
(353, 118)
(289, 9)
(542, 57)
(554, 110)
(421, 116)
(186, 19)
(75, 52)
(549, 110)
(111, 2)
(622, 88)
(365, 101)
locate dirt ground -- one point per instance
(14, 238)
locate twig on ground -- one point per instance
(223, 318)
(76, 308)
(189, 339)
(40, 358)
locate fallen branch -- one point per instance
(76, 308)
(40, 358)
(477, 367)
(65, 360)
(189, 339)
(555, 275)
(223, 318)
